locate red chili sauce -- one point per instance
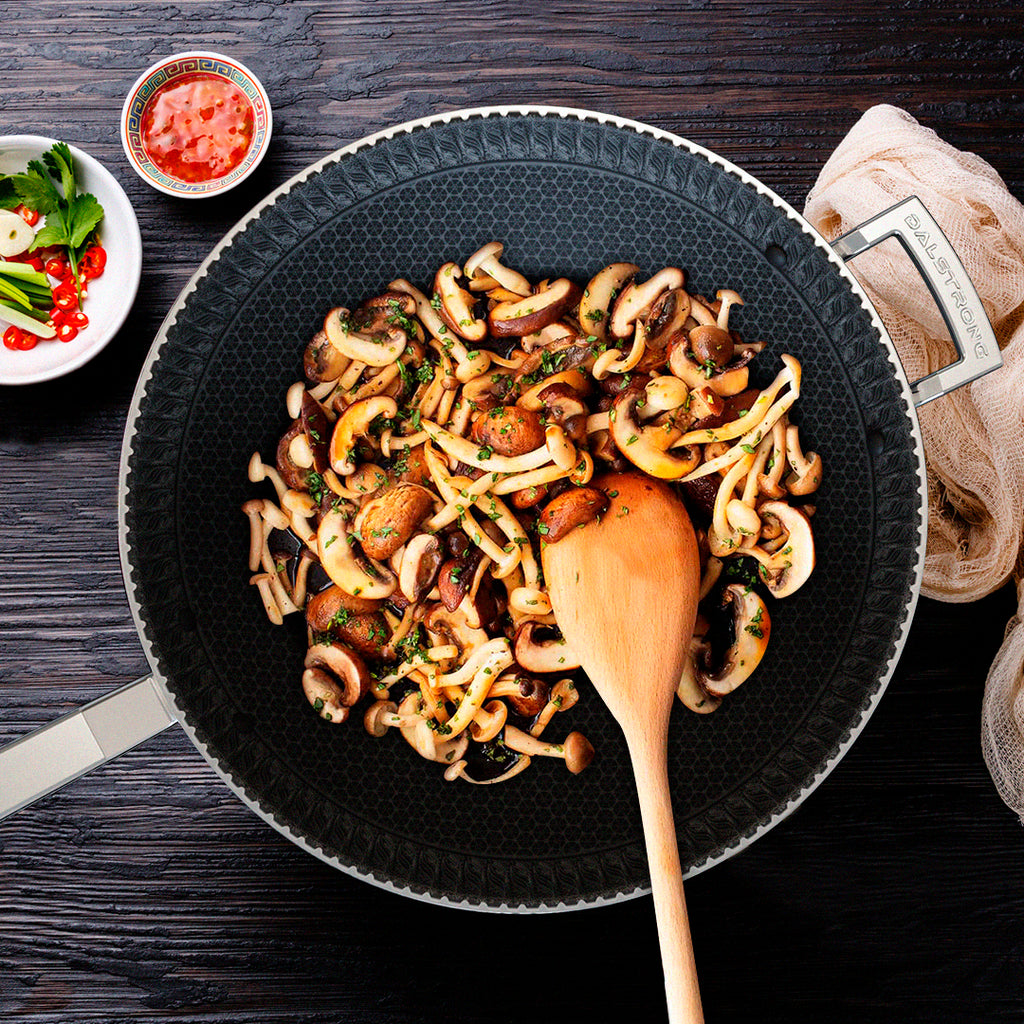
(197, 127)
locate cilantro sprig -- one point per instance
(71, 216)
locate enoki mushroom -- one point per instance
(442, 437)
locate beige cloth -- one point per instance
(973, 438)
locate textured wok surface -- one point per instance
(565, 197)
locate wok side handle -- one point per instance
(924, 242)
(70, 746)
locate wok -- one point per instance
(567, 192)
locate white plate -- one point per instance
(110, 295)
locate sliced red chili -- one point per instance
(66, 332)
(28, 340)
(30, 217)
(93, 262)
(76, 318)
(57, 266)
(12, 336)
(65, 295)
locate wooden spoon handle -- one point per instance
(681, 987)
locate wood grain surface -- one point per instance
(146, 892)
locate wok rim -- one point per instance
(568, 113)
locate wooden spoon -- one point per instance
(624, 590)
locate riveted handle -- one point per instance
(924, 242)
(70, 746)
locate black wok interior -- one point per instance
(566, 197)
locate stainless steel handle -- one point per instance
(923, 241)
(70, 746)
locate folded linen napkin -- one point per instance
(973, 438)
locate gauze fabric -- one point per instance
(974, 437)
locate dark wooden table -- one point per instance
(147, 892)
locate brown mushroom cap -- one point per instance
(326, 605)
(579, 752)
(452, 628)
(509, 430)
(527, 696)
(389, 520)
(572, 508)
(711, 345)
(347, 567)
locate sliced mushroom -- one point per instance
(530, 314)
(353, 424)
(689, 691)
(377, 349)
(551, 337)
(787, 569)
(727, 380)
(315, 428)
(667, 318)
(572, 508)
(420, 566)
(542, 656)
(334, 679)
(456, 577)
(355, 575)
(322, 361)
(600, 293)
(636, 300)
(720, 674)
(388, 521)
(456, 304)
(645, 446)
(451, 628)
(295, 477)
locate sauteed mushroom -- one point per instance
(720, 672)
(445, 438)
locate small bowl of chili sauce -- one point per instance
(196, 124)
